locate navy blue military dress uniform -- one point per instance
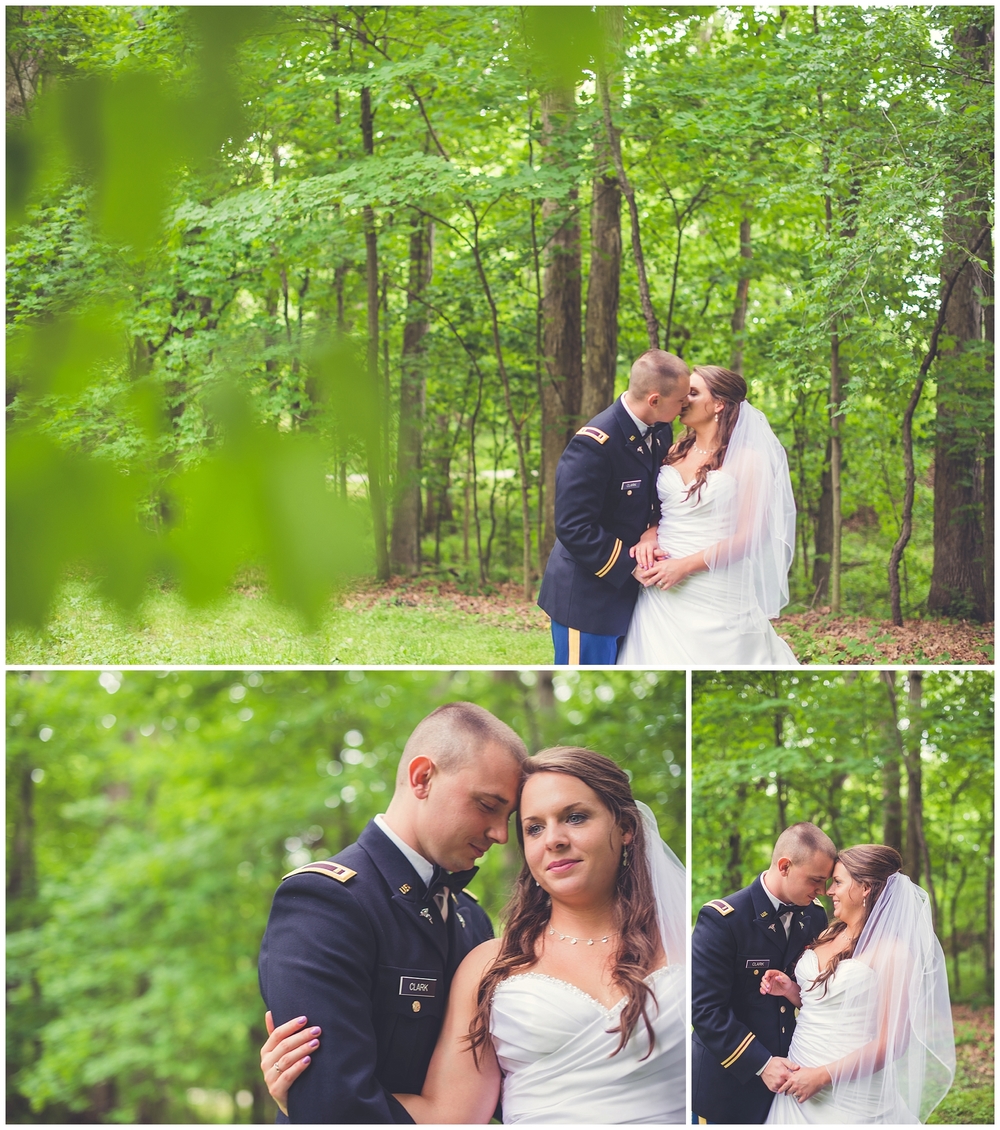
(360, 946)
(736, 1029)
(605, 500)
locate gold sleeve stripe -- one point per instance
(739, 1051)
(612, 559)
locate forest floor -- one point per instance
(970, 1099)
(407, 622)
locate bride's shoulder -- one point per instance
(477, 961)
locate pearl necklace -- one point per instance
(573, 941)
(702, 451)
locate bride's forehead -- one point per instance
(556, 787)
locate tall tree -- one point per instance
(562, 372)
(958, 580)
(406, 512)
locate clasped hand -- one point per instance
(653, 566)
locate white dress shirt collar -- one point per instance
(423, 867)
(775, 902)
(643, 428)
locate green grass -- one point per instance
(970, 1100)
(252, 629)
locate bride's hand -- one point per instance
(806, 1082)
(285, 1055)
(775, 982)
(646, 550)
(667, 573)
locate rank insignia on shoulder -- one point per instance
(594, 433)
(324, 867)
(721, 906)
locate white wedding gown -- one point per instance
(829, 1026)
(554, 1049)
(690, 624)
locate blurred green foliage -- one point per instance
(150, 816)
(771, 749)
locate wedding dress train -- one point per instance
(554, 1048)
(694, 623)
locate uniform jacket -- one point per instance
(367, 957)
(605, 499)
(736, 1029)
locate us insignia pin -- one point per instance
(405, 889)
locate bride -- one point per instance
(715, 571)
(874, 1036)
(577, 1014)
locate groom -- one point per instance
(366, 944)
(741, 1037)
(605, 500)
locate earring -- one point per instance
(716, 417)
(537, 883)
(624, 856)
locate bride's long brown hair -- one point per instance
(527, 913)
(731, 389)
(870, 864)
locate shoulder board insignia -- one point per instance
(816, 902)
(721, 906)
(324, 867)
(475, 898)
(594, 433)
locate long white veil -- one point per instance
(758, 523)
(669, 886)
(907, 1064)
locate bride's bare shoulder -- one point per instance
(477, 961)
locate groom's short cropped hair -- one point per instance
(656, 370)
(800, 842)
(455, 732)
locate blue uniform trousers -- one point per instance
(577, 648)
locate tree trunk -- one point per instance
(836, 509)
(956, 949)
(734, 865)
(601, 352)
(958, 584)
(562, 375)
(823, 547)
(988, 919)
(892, 805)
(21, 859)
(412, 388)
(373, 448)
(988, 436)
(739, 321)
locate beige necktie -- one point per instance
(441, 899)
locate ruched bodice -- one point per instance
(691, 623)
(832, 1024)
(554, 1048)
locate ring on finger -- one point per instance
(276, 1066)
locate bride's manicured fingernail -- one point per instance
(313, 1044)
(315, 1031)
(301, 1020)
(306, 1058)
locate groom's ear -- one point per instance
(419, 773)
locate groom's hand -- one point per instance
(777, 1073)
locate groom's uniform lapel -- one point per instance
(359, 945)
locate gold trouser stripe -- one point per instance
(574, 646)
(612, 559)
(739, 1051)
